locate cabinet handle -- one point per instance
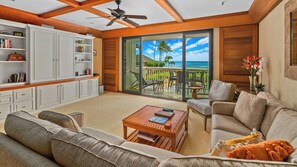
(23, 107)
(23, 94)
(0, 101)
(54, 59)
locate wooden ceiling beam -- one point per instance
(107, 16)
(260, 9)
(242, 18)
(71, 3)
(69, 9)
(170, 9)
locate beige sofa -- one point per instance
(34, 142)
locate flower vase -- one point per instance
(252, 83)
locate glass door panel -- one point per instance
(131, 65)
(197, 64)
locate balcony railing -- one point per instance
(194, 76)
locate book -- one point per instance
(164, 114)
(147, 136)
(158, 119)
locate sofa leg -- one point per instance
(205, 123)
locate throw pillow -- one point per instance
(222, 147)
(63, 120)
(272, 150)
(250, 110)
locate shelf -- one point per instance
(83, 53)
(11, 84)
(83, 76)
(82, 44)
(12, 61)
(83, 62)
(11, 36)
(16, 49)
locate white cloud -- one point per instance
(176, 45)
(149, 51)
(202, 41)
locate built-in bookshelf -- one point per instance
(83, 56)
(13, 41)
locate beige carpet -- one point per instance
(107, 111)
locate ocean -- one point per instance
(192, 64)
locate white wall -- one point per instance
(272, 48)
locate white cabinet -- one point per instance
(88, 88)
(65, 60)
(24, 99)
(48, 96)
(52, 54)
(27, 105)
(43, 55)
(69, 91)
(5, 110)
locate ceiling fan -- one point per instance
(119, 14)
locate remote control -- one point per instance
(167, 110)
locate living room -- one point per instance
(148, 83)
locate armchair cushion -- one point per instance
(250, 110)
(223, 108)
(221, 91)
(201, 105)
(63, 120)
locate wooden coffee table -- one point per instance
(170, 139)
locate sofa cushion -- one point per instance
(14, 154)
(63, 120)
(201, 105)
(293, 157)
(205, 161)
(79, 149)
(31, 132)
(100, 135)
(273, 107)
(227, 123)
(156, 152)
(250, 110)
(217, 135)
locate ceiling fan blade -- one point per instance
(136, 16)
(113, 11)
(130, 22)
(111, 22)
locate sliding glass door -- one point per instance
(168, 66)
(131, 65)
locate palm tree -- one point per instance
(163, 47)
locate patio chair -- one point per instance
(146, 83)
(219, 91)
(172, 78)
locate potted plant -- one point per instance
(254, 65)
(259, 87)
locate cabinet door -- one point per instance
(27, 105)
(43, 55)
(65, 61)
(69, 91)
(93, 87)
(84, 88)
(48, 96)
(5, 110)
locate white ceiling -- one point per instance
(33, 6)
(188, 9)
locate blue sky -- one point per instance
(196, 49)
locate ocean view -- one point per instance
(192, 64)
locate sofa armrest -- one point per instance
(223, 108)
(78, 117)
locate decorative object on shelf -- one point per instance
(16, 57)
(88, 71)
(94, 52)
(254, 65)
(76, 74)
(259, 88)
(17, 77)
(80, 41)
(5, 43)
(18, 34)
(4, 32)
(80, 49)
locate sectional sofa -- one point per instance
(34, 142)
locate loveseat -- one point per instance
(32, 142)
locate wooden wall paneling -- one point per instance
(98, 58)
(227, 20)
(235, 44)
(30, 18)
(111, 64)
